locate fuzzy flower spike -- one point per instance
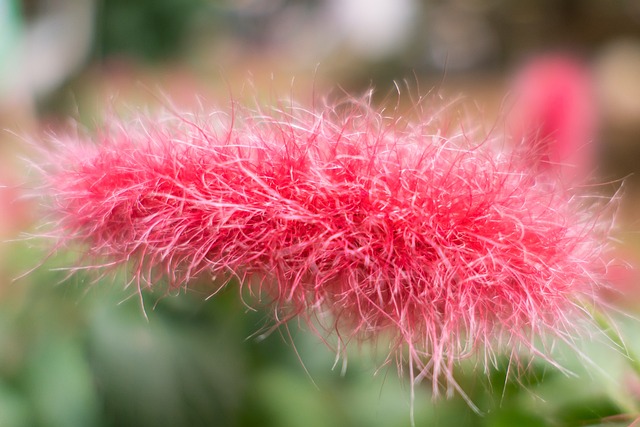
(434, 238)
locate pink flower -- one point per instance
(555, 110)
(415, 231)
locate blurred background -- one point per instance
(74, 352)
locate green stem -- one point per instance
(606, 326)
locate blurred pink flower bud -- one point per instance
(555, 111)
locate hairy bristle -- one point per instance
(437, 238)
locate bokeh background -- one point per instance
(80, 352)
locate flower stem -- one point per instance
(606, 325)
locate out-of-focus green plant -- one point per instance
(145, 29)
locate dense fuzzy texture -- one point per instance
(437, 238)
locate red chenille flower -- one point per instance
(422, 232)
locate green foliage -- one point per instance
(145, 29)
